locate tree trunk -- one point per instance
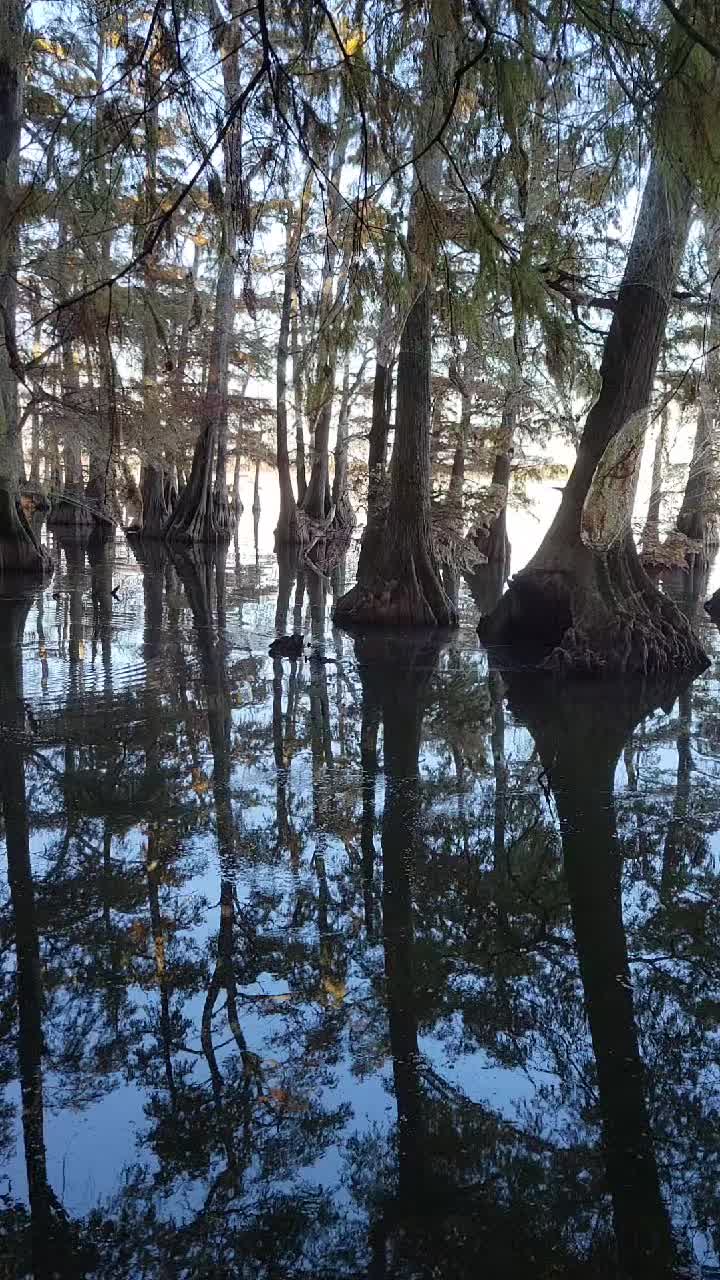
(316, 502)
(344, 514)
(19, 548)
(203, 511)
(298, 398)
(179, 388)
(490, 535)
(72, 512)
(287, 527)
(694, 520)
(256, 490)
(155, 511)
(237, 464)
(379, 432)
(399, 579)
(106, 444)
(651, 531)
(457, 474)
(697, 519)
(594, 609)
(35, 421)
(402, 584)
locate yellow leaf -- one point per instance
(354, 42)
(336, 990)
(51, 47)
(352, 38)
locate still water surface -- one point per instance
(392, 965)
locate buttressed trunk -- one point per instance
(19, 548)
(592, 608)
(399, 579)
(203, 512)
(316, 502)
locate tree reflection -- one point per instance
(349, 1051)
(396, 676)
(53, 1247)
(580, 740)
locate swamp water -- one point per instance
(392, 965)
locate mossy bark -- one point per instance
(342, 506)
(400, 583)
(287, 525)
(316, 501)
(203, 510)
(399, 580)
(580, 608)
(20, 550)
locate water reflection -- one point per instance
(376, 963)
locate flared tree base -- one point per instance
(20, 550)
(414, 597)
(70, 515)
(599, 616)
(202, 525)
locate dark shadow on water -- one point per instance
(363, 965)
(55, 1245)
(579, 737)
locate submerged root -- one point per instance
(203, 523)
(70, 514)
(417, 599)
(603, 616)
(20, 550)
(305, 531)
(632, 645)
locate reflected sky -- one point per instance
(386, 962)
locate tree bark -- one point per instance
(298, 398)
(379, 432)
(316, 502)
(694, 520)
(203, 511)
(344, 514)
(595, 610)
(399, 579)
(155, 511)
(651, 531)
(697, 519)
(287, 526)
(69, 513)
(402, 584)
(19, 548)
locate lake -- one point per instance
(386, 962)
